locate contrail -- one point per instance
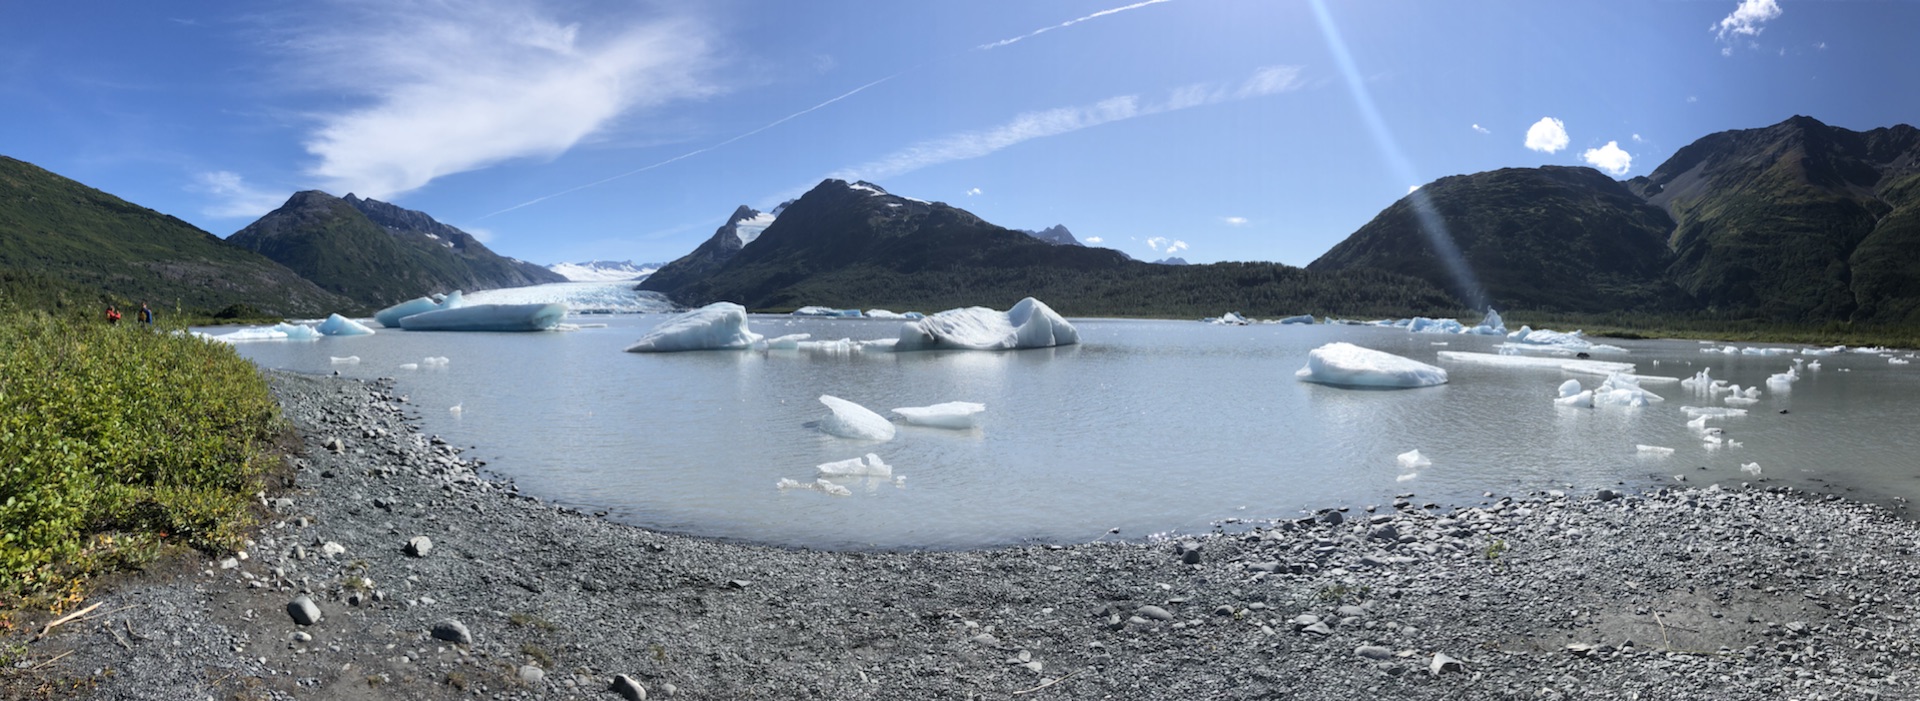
(696, 152)
(1068, 23)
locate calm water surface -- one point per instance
(1146, 426)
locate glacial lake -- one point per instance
(1147, 427)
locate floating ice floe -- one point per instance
(850, 420)
(1569, 388)
(1297, 319)
(828, 312)
(1756, 350)
(954, 415)
(1228, 319)
(1029, 324)
(1715, 411)
(1421, 324)
(1348, 365)
(1815, 365)
(1622, 389)
(1752, 468)
(886, 314)
(1582, 399)
(1412, 460)
(253, 334)
(409, 366)
(869, 466)
(297, 332)
(337, 325)
(1590, 367)
(788, 342)
(1492, 325)
(433, 361)
(1781, 382)
(349, 360)
(488, 317)
(717, 326)
(391, 316)
(1653, 450)
(1823, 351)
(457, 409)
(1897, 361)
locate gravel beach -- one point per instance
(390, 569)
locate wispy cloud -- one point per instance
(1234, 221)
(973, 191)
(1481, 129)
(1747, 20)
(1548, 135)
(1637, 139)
(1609, 158)
(1054, 122)
(447, 88)
(1068, 23)
(233, 197)
(1166, 245)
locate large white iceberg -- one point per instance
(850, 420)
(717, 326)
(1348, 365)
(488, 317)
(1029, 324)
(337, 325)
(1492, 325)
(956, 415)
(391, 316)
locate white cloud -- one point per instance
(1062, 120)
(1166, 245)
(1637, 139)
(1068, 23)
(1822, 46)
(1692, 99)
(1746, 21)
(234, 198)
(1234, 221)
(1094, 239)
(1547, 135)
(973, 191)
(444, 88)
(1609, 158)
(1481, 129)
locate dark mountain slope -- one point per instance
(488, 270)
(689, 270)
(58, 237)
(1550, 238)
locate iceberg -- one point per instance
(337, 325)
(1590, 367)
(1421, 324)
(1582, 399)
(788, 342)
(1621, 389)
(1700, 411)
(1412, 460)
(254, 334)
(869, 466)
(1298, 319)
(1897, 361)
(1228, 319)
(1653, 450)
(893, 315)
(717, 326)
(1348, 365)
(297, 332)
(955, 415)
(1492, 325)
(1823, 351)
(435, 361)
(1029, 324)
(828, 312)
(488, 317)
(850, 420)
(1752, 468)
(391, 316)
(1569, 388)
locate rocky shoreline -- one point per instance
(390, 569)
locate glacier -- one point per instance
(1029, 324)
(850, 420)
(717, 326)
(605, 297)
(337, 325)
(487, 317)
(955, 415)
(1348, 365)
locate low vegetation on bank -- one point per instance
(118, 443)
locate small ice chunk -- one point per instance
(1621, 389)
(349, 360)
(1653, 450)
(1492, 325)
(1228, 319)
(1569, 388)
(253, 334)
(1589, 367)
(1752, 468)
(337, 325)
(955, 415)
(409, 366)
(832, 488)
(1580, 400)
(435, 361)
(1699, 411)
(457, 409)
(869, 466)
(1897, 361)
(786, 484)
(1298, 319)
(1413, 460)
(717, 326)
(850, 420)
(297, 332)
(788, 342)
(1347, 365)
(1421, 324)
(827, 312)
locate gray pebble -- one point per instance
(303, 611)
(1351, 611)
(1319, 629)
(1154, 612)
(1373, 652)
(627, 688)
(452, 631)
(532, 675)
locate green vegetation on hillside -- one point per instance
(118, 442)
(66, 245)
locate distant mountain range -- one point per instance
(605, 270)
(1799, 222)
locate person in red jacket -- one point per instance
(113, 315)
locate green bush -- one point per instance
(116, 441)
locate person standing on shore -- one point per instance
(146, 315)
(113, 315)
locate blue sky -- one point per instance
(565, 130)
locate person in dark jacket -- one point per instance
(146, 314)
